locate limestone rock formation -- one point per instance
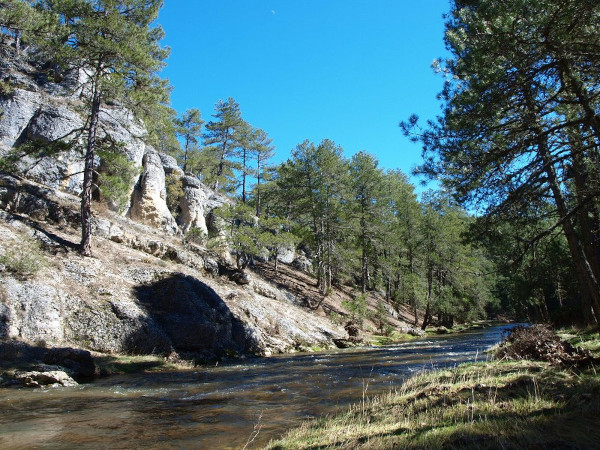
(197, 203)
(149, 204)
(47, 112)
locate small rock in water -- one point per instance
(39, 379)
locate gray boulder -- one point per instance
(39, 379)
(17, 111)
(51, 123)
(302, 263)
(170, 165)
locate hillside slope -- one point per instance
(143, 292)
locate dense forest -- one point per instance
(513, 230)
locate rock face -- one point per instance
(149, 203)
(196, 204)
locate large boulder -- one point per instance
(54, 122)
(149, 203)
(38, 379)
(170, 165)
(194, 316)
(17, 111)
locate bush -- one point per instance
(115, 177)
(196, 235)
(174, 186)
(357, 308)
(23, 260)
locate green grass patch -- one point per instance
(127, 364)
(393, 338)
(584, 338)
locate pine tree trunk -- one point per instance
(88, 172)
(427, 317)
(244, 177)
(258, 189)
(587, 279)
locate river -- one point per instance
(218, 407)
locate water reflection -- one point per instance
(217, 407)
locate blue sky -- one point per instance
(347, 70)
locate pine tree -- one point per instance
(189, 127)
(521, 120)
(115, 46)
(313, 182)
(263, 152)
(221, 142)
(366, 208)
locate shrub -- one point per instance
(116, 176)
(175, 193)
(23, 260)
(357, 308)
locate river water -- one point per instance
(218, 407)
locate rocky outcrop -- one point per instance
(43, 112)
(198, 201)
(149, 203)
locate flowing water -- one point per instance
(218, 407)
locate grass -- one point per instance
(23, 259)
(498, 404)
(587, 339)
(127, 364)
(393, 338)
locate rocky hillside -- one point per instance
(143, 292)
(147, 290)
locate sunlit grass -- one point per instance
(126, 364)
(478, 405)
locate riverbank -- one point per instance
(498, 404)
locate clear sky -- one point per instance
(347, 70)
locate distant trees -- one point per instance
(364, 226)
(520, 131)
(226, 153)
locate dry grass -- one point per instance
(505, 404)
